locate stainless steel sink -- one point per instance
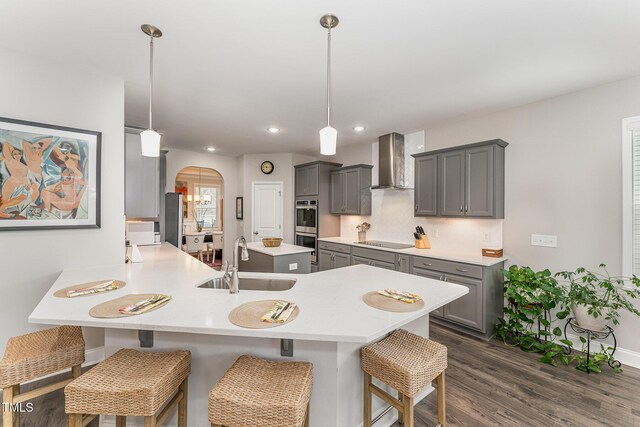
(253, 284)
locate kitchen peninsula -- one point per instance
(285, 258)
(333, 324)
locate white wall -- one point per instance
(392, 217)
(563, 177)
(249, 170)
(225, 166)
(30, 261)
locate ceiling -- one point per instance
(227, 70)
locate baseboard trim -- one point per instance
(91, 357)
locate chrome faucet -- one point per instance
(231, 272)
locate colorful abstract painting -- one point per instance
(48, 176)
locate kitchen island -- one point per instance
(332, 326)
(285, 258)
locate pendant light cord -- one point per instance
(328, 76)
(150, 82)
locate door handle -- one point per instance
(255, 232)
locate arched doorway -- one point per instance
(202, 207)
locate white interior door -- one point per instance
(267, 210)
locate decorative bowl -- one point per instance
(271, 242)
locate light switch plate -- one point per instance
(293, 266)
(547, 241)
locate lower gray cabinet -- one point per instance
(403, 263)
(328, 260)
(372, 262)
(468, 310)
(341, 260)
(431, 275)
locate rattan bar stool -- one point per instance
(131, 383)
(35, 355)
(258, 393)
(407, 363)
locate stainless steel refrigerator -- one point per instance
(173, 219)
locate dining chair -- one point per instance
(195, 244)
(216, 244)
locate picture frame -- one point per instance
(239, 208)
(49, 176)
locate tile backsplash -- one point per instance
(392, 220)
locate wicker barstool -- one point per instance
(131, 383)
(258, 393)
(407, 363)
(35, 355)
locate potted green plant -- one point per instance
(527, 322)
(596, 298)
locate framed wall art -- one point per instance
(49, 176)
(239, 207)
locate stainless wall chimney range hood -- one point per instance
(391, 170)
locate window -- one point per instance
(206, 206)
(631, 196)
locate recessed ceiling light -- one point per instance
(273, 129)
(358, 128)
(211, 149)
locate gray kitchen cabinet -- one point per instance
(341, 260)
(467, 310)
(403, 263)
(452, 171)
(351, 190)
(355, 260)
(332, 255)
(426, 194)
(466, 181)
(439, 312)
(307, 180)
(337, 193)
(142, 181)
(479, 182)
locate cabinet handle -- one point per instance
(443, 278)
(416, 208)
(370, 262)
(466, 208)
(462, 270)
(461, 208)
(426, 264)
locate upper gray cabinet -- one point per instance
(142, 181)
(307, 180)
(351, 190)
(464, 181)
(426, 194)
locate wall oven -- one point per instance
(307, 216)
(308, 240)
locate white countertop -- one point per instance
(283, 249)
(331, 307)
(469, 258)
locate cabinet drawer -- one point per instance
(373, 254)
(335, 247)
(457, 268)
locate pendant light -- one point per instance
(328, 135)
(150, 138)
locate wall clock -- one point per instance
(266, 167)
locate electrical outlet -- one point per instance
(435, 232)
(486, 238)
(293, 266)
(547, 241)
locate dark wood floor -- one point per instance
(492, 384)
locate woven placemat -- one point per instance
(109, 309)
(248, 315)
(375, 300)
(62, 293)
